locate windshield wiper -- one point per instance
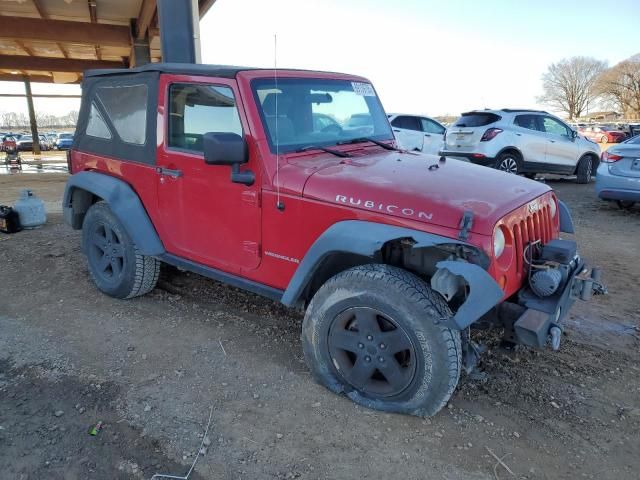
(367, 139)
(337, 153)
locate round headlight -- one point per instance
(553, 207)
(498, 242)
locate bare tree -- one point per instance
(620, 85)
(568, 85)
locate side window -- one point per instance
(553, 126)
(96, 126)
(197, 109)
(126, 107)
(530, 122)
(429, 126)
(408, 123)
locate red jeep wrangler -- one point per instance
(289, 184)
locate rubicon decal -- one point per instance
(384, 207)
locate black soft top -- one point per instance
(227, 71)
(224, 71)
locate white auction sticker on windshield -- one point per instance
(363, 89)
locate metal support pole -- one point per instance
(32, 117)
(176, 31)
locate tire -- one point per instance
(509, 162)
(604, 139)
(121, 272)
(585, 169)
(396, 307)
(625, 204)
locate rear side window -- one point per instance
(529, 122)
(477, 119)
(96, 127)
(407, 122)
(198, 109)
(126, 107)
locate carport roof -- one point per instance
(56, 40)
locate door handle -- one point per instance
(169, 172)
(427, 134)
(552, 141)
(396, 130)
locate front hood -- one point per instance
(420, 187)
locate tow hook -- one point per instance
(592, 285)
(555, 335)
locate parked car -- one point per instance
(64, 141)
(25, 143)
(417, 133)
(521, 141)
(392, 261)
(8, 144)
(619, 173)
(604, 134)
(45, 143)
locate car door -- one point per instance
(408, 132)
(433, 141)
(530, 140)
(562, 151)
(205, 217)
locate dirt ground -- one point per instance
(152, 368)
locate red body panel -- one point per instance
(204, 217)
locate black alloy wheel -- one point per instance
(371, 352)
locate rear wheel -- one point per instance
(625, 204)
(375, 333)
(585, 169)
(115, 264)
(508, 162)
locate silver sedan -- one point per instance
(618, 176)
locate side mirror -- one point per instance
(228, 149)
(574, 134)
(224, 149)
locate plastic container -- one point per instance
(30, 210)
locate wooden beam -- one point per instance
(64, 52)
(17, 62)
(7, 77)
(36, 95)
(145, 17)
(41, 11)
(205, 5)
(64, 31)
(26, 49)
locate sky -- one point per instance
(431, 57)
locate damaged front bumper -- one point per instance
(537, 321)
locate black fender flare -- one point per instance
(366, 239)
(566, 222)
(483, 292)
(123, 202)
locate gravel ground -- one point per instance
(152, 368)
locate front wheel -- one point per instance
(376, 334)
(115, 264)
(585, 169)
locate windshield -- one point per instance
(318, 112)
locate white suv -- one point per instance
(417, 133)
(521, 141)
